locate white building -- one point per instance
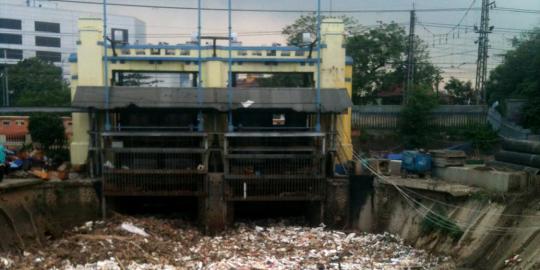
(27, 31)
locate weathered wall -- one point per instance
(485, 243)
(33, 210)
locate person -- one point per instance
(2, 162)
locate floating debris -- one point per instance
(150, 243)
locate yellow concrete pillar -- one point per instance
(89, 72)
(333, 74)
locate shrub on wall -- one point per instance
(47, 130)
(414, 125)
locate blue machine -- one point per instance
(415, 162)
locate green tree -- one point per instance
(416, 116)
(518, 77)
(379, 56)
(47, 130)
(459, 91)
(34, 82)
(308, 24)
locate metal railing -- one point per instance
(506, 128)
(275, 188)
(444, 116)
(274, 166)
(154, 163)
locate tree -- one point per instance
(415, 117)
(459, 91)
(517, 77)
(47, 130)
(308, 24)
(35, 82)
(379, 56)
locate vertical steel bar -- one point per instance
(200, 117)
(229, 82)
(106, 68)
(318, 124)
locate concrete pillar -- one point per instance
(336, 212)
(215, 212)
(333, 74)
(89, 70)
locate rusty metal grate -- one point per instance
(275, 188)
(164, 183)
(275, 166)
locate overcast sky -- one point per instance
(452, 53)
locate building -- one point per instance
(222, 145)
(14, 130)
(52, 34)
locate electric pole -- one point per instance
(6, 82)
(483, 46)
(410, 58)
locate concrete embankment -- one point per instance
(32, 210)
(480, 231)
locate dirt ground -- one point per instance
(149, 243)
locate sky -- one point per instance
(452, 50)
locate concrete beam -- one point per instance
(455, 190)
(484, 177)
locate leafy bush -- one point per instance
(436, 221)
(531, 115)
(414, 126)
(482, 137)
(47, 129)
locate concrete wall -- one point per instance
(494, 229)
(31, 210)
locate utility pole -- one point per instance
(6, 82)
(483, 46)
(410, 58)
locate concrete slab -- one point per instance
(17, 183)
(14, 183)
(484, 177)
(456, 190)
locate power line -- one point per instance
(265, 10)
(518, 10)
(462, 18)
(295, 10)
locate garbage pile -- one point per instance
(150, 243)
(30, 162)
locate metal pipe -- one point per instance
(229, 83)
(106, 69)
(6, 80)
(318, 124)
(200, 93)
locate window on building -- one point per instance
(10, 24)
(271, 53)
(47, 27)
(120, 36)
(19, 122)
(6, 123)
(49, 56)
(10, 38)
(48, 41)
(11, 54)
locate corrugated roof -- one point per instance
(297, 99)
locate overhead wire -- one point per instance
(425, 214)
(456, 9)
